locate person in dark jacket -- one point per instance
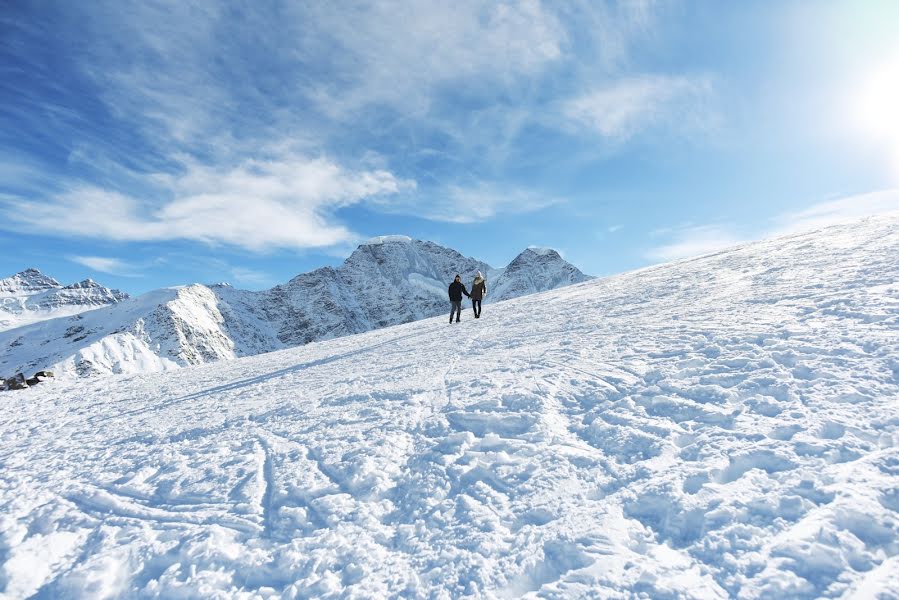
(456, 289)
(478, 291)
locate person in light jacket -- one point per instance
(456, 289)
(478, 291)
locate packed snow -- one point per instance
(720, 427)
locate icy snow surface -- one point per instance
(721, 427)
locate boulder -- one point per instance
(39, 377)
(16, 383)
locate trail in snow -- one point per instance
(722, 427)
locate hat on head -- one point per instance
(479, 275)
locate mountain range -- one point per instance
(31, 296)
(87, 329)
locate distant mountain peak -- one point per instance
(27, 282)
(541, 251)
(387, 239)
(31, 296)
(83, 284)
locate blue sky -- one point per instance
(158, 143)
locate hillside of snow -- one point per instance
(386, 281)
(722, 427)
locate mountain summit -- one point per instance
(536, 270)
(26, 283)
(386, 281)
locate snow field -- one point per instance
(721, 427)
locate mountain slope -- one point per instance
(31, 296)
(720, 427)
(386, 281)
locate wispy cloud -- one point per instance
(472, 204)
(836, 211)
(626, 107)
(692, 240)
(251, 277)
(404, 63)
(181, 107)
(258, 205)
(113, 266)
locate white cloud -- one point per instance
(836, 211)
(251, 277)
(185, 85)
(471, 204)
(403, 62)
(102, 264)
(689, 241)
(258, 205)
(624, 108)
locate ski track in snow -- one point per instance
(719, 427)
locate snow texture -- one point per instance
(720, 427)
(388, 281)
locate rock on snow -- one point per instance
(719, 427)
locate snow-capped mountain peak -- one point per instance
(387, 239)
(31, 296)
(27, 282)
(536, 270)
(539, 250)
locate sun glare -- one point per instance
(876, 108)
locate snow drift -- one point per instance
(726, 426)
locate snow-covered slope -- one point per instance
(721, 427)
(386, 281)
(31, 296)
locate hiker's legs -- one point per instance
(456, 309)
(476, 308)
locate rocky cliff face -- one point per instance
(386, 281)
